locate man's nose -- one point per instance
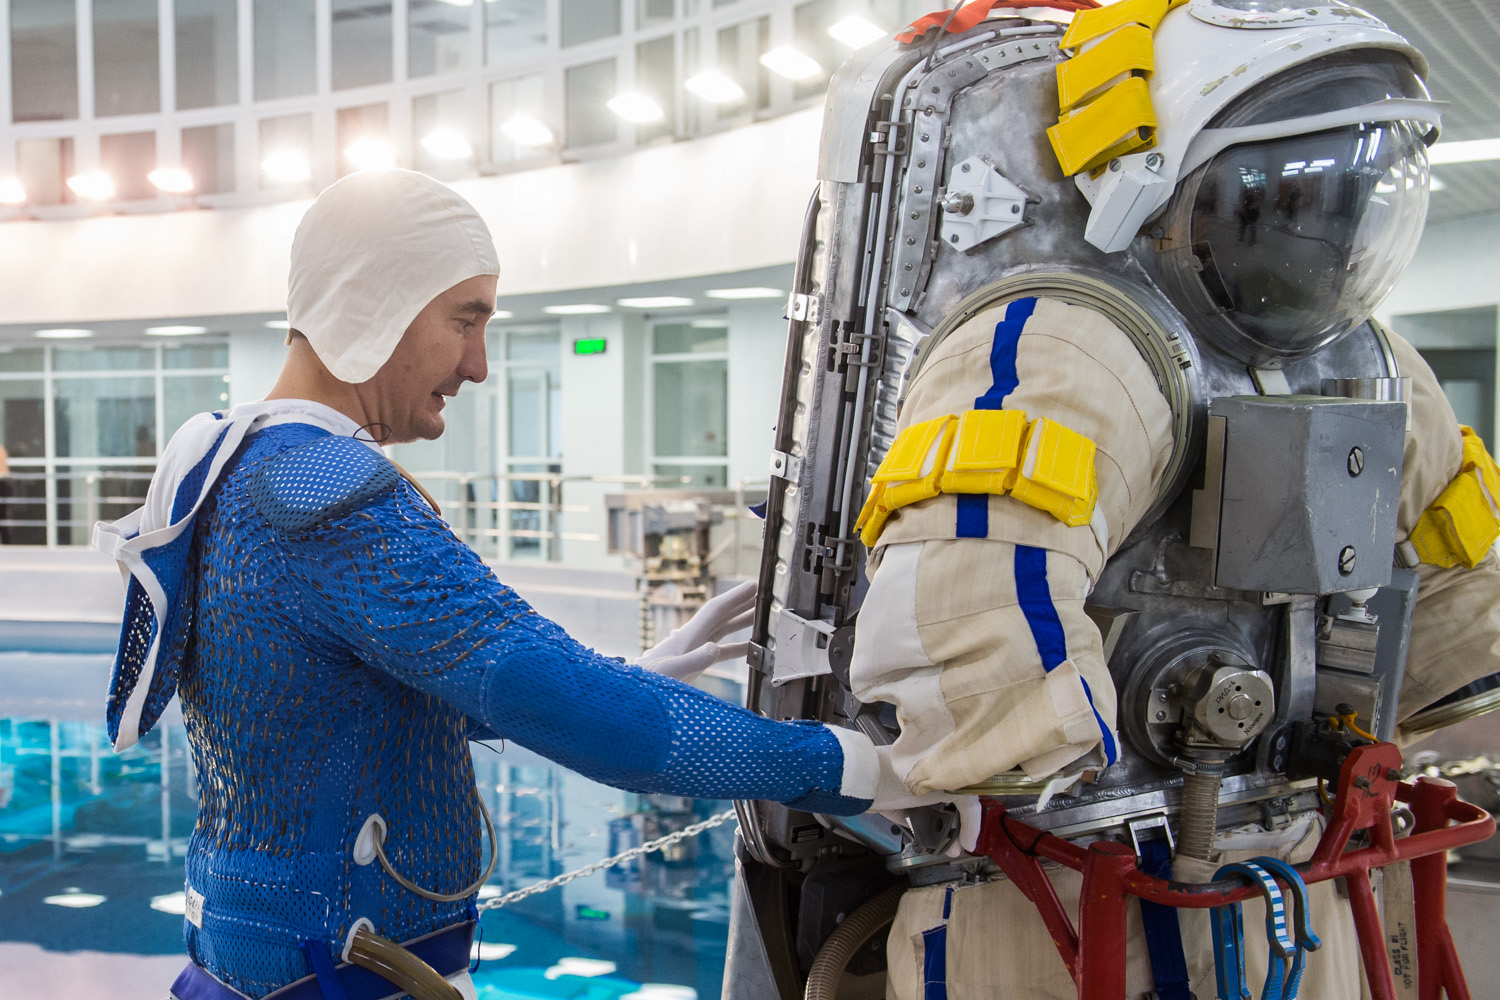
(474, 366)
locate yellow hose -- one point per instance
(848, 938)
(390, 961)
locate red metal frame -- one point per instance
(1368, 789)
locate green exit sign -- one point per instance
(593, 345)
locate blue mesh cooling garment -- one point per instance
(334, 645)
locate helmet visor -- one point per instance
(1300, 238)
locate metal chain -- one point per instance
(635, 852)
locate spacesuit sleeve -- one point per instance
(391, 585)
(982, 643)
(1455, 629)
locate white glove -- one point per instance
(695, 647)
(893, 798)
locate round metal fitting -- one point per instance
(1229, 703)
(1346, 560)
(958, 203)
(1114, 165)
(1356, 460)
(1153, 162)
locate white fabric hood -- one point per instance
(370, 254)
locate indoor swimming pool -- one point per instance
(92, 846)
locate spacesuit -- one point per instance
(1123, 538)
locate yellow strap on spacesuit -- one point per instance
(1041, 463)
(1464, 521)
(1104, 106)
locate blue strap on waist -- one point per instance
(447, 951)
(1163, 934)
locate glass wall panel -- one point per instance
(116, 358)
(127, 68)
(691, 408)
(654, 12)
(184, 396)
(437, 39)
(509, 98)
(446, 111)
(697, 477)
(739, 50)
(361, 43)
(586, 88)
(656, 76)
(689, 338)
(533, 400)
(106, 417)
(179, 356)
(44, 166)
(589, 20)
(92, 491)
(43, 60)
(207, 53)
(364, 121)
(20, 359)
(514, 30)
(23, 491)
(288, 133)
(208, 154)
(285, 48)
(128, 158)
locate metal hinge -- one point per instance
(785, 466)
(890, 138)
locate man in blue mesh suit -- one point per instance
(335, 646)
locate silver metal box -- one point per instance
(1308, 488)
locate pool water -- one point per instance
(92, 845)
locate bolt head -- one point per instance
(1153, 162)
(1114, 165)
(1346, 560)
(1356, 461)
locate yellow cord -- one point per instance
(1347, 719)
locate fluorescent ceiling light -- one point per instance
(278, 324)
(12, 191)
(788, 62)
(175, 331)
(586, 967)
(448, 144)
(370, 154)
(488, 952)
(490, 891)
(1464, 152)
(172, 902)
(655, 302)
(1435, 183)
(501, 314)
(93, 186)
(710, 324)
(172, 180)
(458, 3)
(753, 292)
(714, 87)
(855, 32)
(284, 166)
(64, 333)
(581, 309)
(528, 131)
(73, 899)
(636, 107)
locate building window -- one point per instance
(84, 425)
(586, 88)
(207, 54)
(128, 158)
(361, 43)
(532, 361)
(656, 77)
(589, 20)
(690, 401)
(286, 134)
(286, 55)
(510, 99)
(44, 166)
(436, 121)
(366, 123)
(437, 39)
(127, 67)
(43, 60)
(514, 31)
(208, 155)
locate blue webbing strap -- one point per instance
(1035, 597)
(973, 520)
(1163, 934)
(935, 955)
(322, 965)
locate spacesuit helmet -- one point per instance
(1275, 247)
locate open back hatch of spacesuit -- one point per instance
(1097, 492)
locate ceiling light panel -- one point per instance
(656, 302)
(578, 309)
(370, 154)
(1472, 151)
(64, 333)
(788, 62)
(855, 32)
(171, 180)
(93, 186)
(285, 166)
(636, 107)
(448, 144)
(750, 292)
(528, 131)
(175, 331)
(12, 191)
(714, 87)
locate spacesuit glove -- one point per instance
(698, 644)
(893, 798)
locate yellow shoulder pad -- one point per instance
(1116, 122)
(1057, 474)
(1464, 521)
(1091, 24)
(1128, 50)
(914, 452)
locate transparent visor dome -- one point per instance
(1300, 238)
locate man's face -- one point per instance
(442, 349)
